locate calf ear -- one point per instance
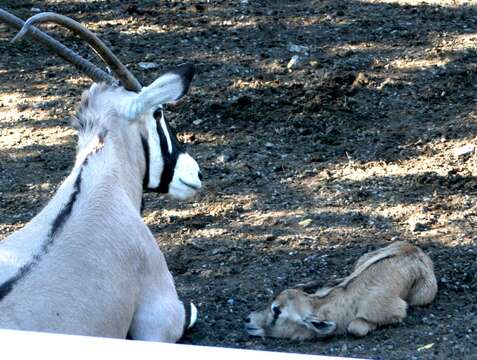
(309, 287)
(167, 88)
(322, 328)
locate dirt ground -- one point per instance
(306, 167)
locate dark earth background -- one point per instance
(307, 168)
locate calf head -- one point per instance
(292, 314)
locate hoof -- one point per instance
(193, 315)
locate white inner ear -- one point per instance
(156, 163)
(166, 89)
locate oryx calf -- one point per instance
(377, 293)
(87, 264)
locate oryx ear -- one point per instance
(167, 88)
(322, 328)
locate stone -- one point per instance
(148, 65)
(464, 150)
(300, 49)
(294, 62)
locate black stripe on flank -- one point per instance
(56, 226)
(7, 286)
(66, 211)
(58, 223)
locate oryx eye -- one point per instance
(157, 114)
(276, 311)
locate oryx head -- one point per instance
(168, 169)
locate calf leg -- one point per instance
(382, 309)
(424, 290)
(360, 327)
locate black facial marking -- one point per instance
(276, 313)
(170, 159)
(145, 147)
(142, 205)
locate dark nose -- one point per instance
(247, 319)
(201, 177)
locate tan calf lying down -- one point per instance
(377, 293)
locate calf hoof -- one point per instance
(360, 327)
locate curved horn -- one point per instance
(91, 70)
(122, 73)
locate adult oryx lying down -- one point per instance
(377, 293)
(87, 264)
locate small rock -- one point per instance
(35, 10)
(464, 150)
(294, 62)
(315, 64)
(270, 237)
(230, 302)
(243, 101)
(148, 65)
(200, 7)
(418, 227)
(225, 158)
(22, 107)
(219, 250)
(197, 122)
(305, 223)
(269, 145)
(425, 347)
(300, 49)
(45, 186)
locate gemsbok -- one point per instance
(384, 282)
(87, 264)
